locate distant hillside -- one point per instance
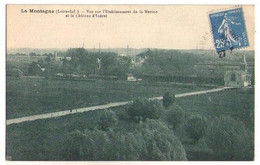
(206, 55)
(36, 50)
(119, 51)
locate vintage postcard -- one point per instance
(130, 82)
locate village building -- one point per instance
(131, 77)
(237, 78)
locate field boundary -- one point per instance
(105, 106)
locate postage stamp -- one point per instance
(228, 30)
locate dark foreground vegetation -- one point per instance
(190, 128)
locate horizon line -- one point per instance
(112, 48)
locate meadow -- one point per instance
(238, 103)
(28, 96)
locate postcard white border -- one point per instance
(3, 59)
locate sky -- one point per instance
(172, 27)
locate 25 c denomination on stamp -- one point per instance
(228, 30)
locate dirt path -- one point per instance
(105, 106)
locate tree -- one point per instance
(142, 108)
(168, 99)
(32, 54)
(48, 58)
(86, 145)
(175, 116)
(230, 140)
(152, 110)
(17, 73)
(151, 140)
(196, 127)
(167, 62)
(82, 62)
(159, 142)
(74, 146)
(34, 69)
(107, 119)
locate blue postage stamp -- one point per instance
(229, 31)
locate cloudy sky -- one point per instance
(172, 27)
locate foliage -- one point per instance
(229, 139)
(84, 62)
(81, 61)
(175, 116)
(107, 119)
(142, 108)
(45, 66)
(168, 99)
(151, 140)
(167, 62)
(33, 54)
(236, 103)
(17, 73)
(196, 127)
(160, 142)
(34, 69)
(123, 115)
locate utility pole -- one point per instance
(127, 50)
(245, 63)
(99, 49)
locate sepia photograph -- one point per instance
(130, 82)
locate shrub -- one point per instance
(196, 127)
(168, 99)
(107, 119)
(175, 116)
(229, 139)
(142, 108)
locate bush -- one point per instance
(142, 108)
(196, 127)
(168, 99)
(230, 140)
(175, 116)
(107, 119)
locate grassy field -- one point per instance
(36, 96)
(238, 103)
(44, 139)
